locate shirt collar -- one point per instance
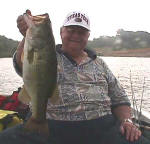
(91, 53)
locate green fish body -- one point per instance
(39, 69)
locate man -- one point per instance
(91, 107)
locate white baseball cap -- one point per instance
(77, 18)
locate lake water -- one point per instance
(133, 73)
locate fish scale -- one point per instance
(39, 69)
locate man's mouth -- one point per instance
(75, 41)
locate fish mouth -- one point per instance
(41, 17)
(34, 20)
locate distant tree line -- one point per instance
(7, 47)
(122, 41)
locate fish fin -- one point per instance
(22, 56)
(55, 96)
(30, 55)
(33, 125)
(24, 96)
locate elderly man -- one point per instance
(92, 107)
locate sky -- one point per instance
(106, 16)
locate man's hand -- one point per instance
(22, 25)
(131, 132)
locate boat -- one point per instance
(140, 119)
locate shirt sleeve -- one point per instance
(115, 91)
(16, 67)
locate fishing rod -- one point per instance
(139, 116)
(135, 111)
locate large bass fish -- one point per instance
(39, 69)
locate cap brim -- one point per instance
(76, 24)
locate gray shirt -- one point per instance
(86, 91)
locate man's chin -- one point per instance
(75, 45)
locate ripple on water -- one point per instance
(127, 69)
(133, 72)
(9, 80)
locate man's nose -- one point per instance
(76, 33)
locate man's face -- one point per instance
(74, 38)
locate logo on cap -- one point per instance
(78, 20)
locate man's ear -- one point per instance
(88, 34)
(61, 30)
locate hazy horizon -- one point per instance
(106, 16)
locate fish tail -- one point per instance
(40, 127)
(24, 96)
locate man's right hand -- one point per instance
(22, 25)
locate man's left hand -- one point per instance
(131, 132)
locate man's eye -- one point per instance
(70, 30)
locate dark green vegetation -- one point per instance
(7, 47)
(124, 40)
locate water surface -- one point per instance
(128, 70)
